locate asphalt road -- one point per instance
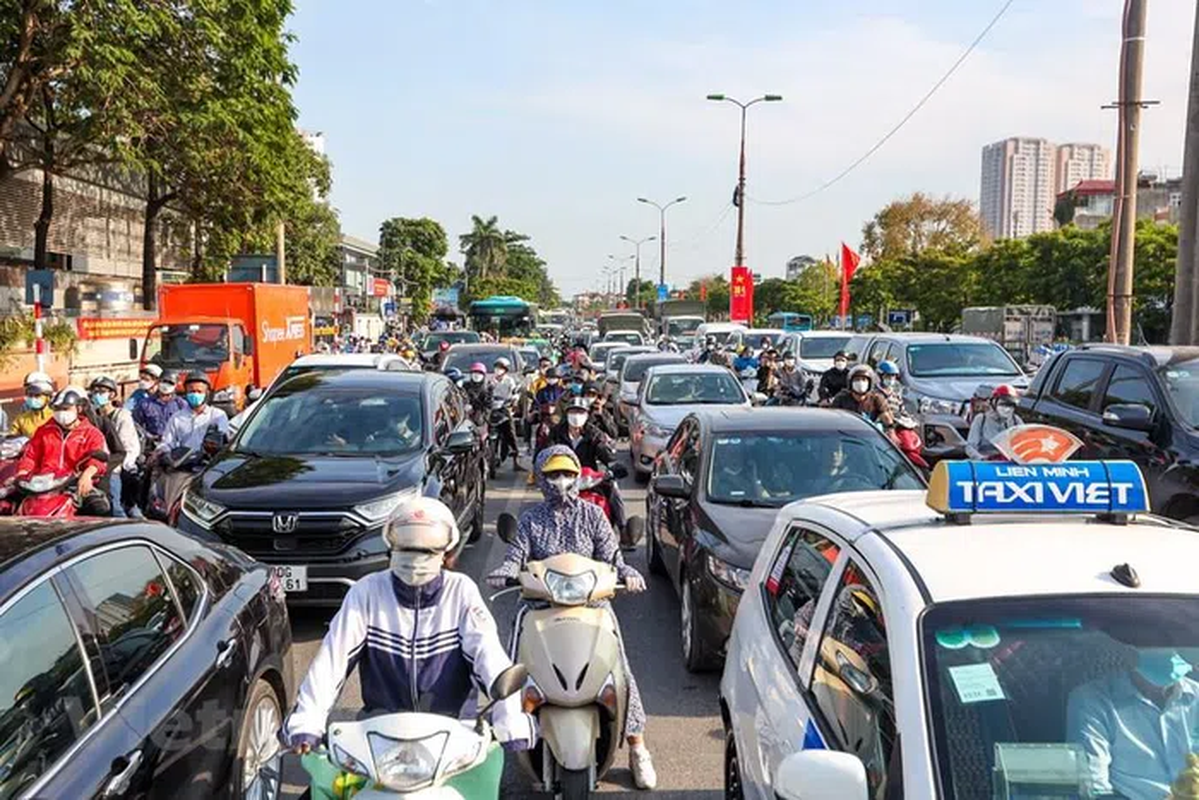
(683, 732)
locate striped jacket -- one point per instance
(423, 649)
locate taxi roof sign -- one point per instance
(1114, 488)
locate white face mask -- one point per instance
(1005, 412)
(576, 420)
(415, 569)
(861, 387)
(500, 372)
(476, 377)
(840, 364)
(145, 385)
(563, 484)
(66, 417)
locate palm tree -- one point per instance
(485, 247)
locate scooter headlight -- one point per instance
(406, 766)
(347, 762)
(570, 590)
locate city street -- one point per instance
(684, 731)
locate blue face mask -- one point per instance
(195, 399)
(1162, 666)
(100, 399)
(35, 403)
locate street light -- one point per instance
(637, 263)
(661, 232)
(739, 197)
(618, 263)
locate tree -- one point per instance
(641, 296)
(414, 251)
(485, 248)
(716, 289)
(909, 226)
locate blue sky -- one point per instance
(556, 116)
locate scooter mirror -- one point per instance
(620, 471)
(505, 526)
(509, 682)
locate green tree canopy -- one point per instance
(414, 251)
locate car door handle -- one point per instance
(118, 784)
(225, 651)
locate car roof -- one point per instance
(481, 347)
(404, 382)
(762, 331)
(20, 535)
(1023, 554)
(343, 360)
(1161, 355)
(739, 418)
(690, 369)
(921, 337)
(651, 355)
(720, 327)
(823, 334)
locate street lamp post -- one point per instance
(661, 232)
(637, 262)
(739, 255)
(619, 265)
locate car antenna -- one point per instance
(1125, 575)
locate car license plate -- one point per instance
(293, 578)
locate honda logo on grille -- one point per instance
(284, 523)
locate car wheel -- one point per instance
(696, 654)
(732, 768)
(259, 756)
(652, 556)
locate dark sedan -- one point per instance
(137, 661)
(311, 479)
(718, 486)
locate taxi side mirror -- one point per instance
(821, 775)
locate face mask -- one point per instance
(1162, 666)
(576, 420)
(560, 489)
(840, 364)
(145, 385)
(35, 403)
(66, 417)
(196, 399)
(861, 387)
(1005, 411)
(100, 399)
(415, 569)
(476, 377)
(500, 372)
(888, 382)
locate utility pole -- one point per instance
(637, 261)
(1124, 214)
(661, 232)
(1184, 324)
(739, 196)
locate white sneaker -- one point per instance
(642, 767)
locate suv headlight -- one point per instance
(203, 512)
(405, 766)
(570, 590)
(936, 405)
(733, 577)
(377, 510)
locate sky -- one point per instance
(556, 116)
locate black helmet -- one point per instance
(197, 377)
(104, 382)
(70, 396)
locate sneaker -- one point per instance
(642, 767)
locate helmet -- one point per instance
(710, 341)
(104, 382)
(888, 367)
(503, 363)
(454, 374)
(564, 371)
(153, 370)
(197, 377)
(443, 346)
(1003, 391)
(478, 366)
(422, 523)
(560, 462)
(70, 396)
(38, 383)
(862, 371)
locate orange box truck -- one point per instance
(241, 335)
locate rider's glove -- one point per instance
(634, 583)
(303, 742)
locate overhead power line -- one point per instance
(878, 145)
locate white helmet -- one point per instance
(40, 381)
(423, 523)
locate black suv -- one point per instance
(1135, 403)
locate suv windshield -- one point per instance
(821, 346)
(188, 345)
(635, 370)
(628, 337)
(685, 389)
(617, 359)
(777, 468)
(308, 418)
(1182, 384)
(967, 359)
(1081, 697)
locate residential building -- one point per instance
(797, 265)
(1080, 162)
(1017, 187)
(358, 258)
(1088, 203)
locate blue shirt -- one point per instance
(745, 362)
(1133, 746)
(152, 413)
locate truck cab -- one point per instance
(219, 347)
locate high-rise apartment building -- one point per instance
(1022, 177)
(1080, 162)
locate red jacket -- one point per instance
(61, 452)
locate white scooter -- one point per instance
(414, 755)
(577, 687)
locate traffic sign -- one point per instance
(663, 292)
(43, 278)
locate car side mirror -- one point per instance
(133, 346)
(505, 528)
(821, 775)
(759, 399)
(1130, 416)
(530, 370)
(672, 486)
(460, 442)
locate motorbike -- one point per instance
(749, 380)
(595, 487)
(10, 454)
(177, 466)
(412, 754)
(907, 438)
(582, 717)
(500, 417)
(46, 496)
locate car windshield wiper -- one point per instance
(744, 502)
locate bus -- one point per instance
(790, 321)
(503, 316)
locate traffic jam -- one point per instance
(917, 565)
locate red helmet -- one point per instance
(1003, 390)
(478, 366)
(443, 346)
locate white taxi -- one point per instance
(1018, 631)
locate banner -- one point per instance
(849, 265)
(380, 287)
(741, 295)
(113, 327)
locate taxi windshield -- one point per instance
(1071, 697)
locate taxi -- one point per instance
(1019, 630)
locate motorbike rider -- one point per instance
(745, 360)
(505, 389)
(454, 644)
(794, 385)
(189, 429)
(120, 434)
(147, 384)
(36, 411)
(861, 397)
(593, 447)
(999, 416)
(890, 387)
(545, 407)
(835, 379)
(154, 410)
(710, 345)
(563, 523)
(68, 444)
(478, 393)
(602, 416)
(767, 373)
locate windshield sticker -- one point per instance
(727, 440)
(981, 636)
(976, 683)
